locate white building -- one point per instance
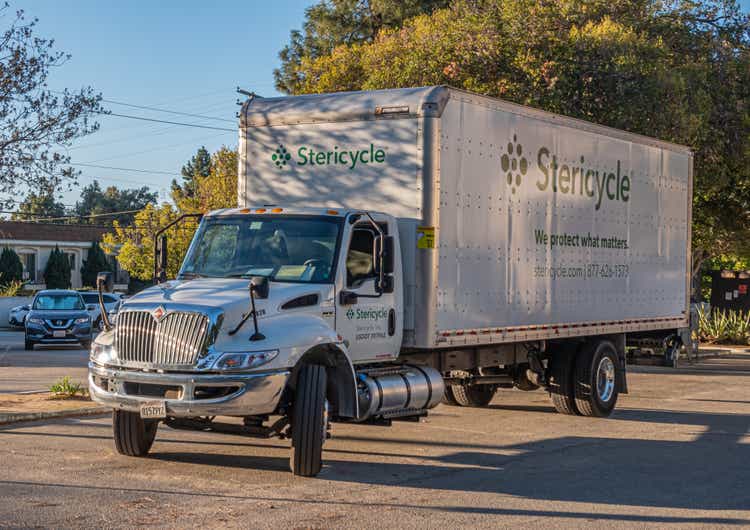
(33, 242)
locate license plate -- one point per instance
(154, 410)
(59, 334)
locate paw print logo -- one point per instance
(281, 157)
(350, 314)
(514, 164)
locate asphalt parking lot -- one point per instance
(676, 452)
(30, 371)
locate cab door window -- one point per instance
(360, 264)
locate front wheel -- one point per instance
(596, 376)
(133, 435)
(309, 421)
(28, 345)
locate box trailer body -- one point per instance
(515, 224)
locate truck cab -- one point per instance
(263, 292)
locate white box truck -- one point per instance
(396, 248)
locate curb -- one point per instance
(21, 417)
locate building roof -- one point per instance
(24, 231)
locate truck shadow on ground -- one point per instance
(707, 473)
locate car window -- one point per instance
(58, 302)
(109, 299)
(359, 259)
(90, 298)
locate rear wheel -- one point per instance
(561, 379)
(596, 379)
(133, 435)
(309, 421)
(473, 395)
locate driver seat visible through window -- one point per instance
(359, 260)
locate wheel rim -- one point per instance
(605, 379)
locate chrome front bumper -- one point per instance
(251, 394)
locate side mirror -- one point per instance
(90, 307)
(347, 298)
(259, 285)
(161, 259)
(105, 281)
(388, 254)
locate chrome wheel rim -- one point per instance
(605, 379)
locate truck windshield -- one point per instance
(283, 248)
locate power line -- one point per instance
(132, 170)
(169, 122)
(178, 113)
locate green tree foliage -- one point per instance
(199, 166)
(94, 201)
(11, 268)
(38, 206)
(135, 243)
(95, 262)
(679, 71)
(57, 271)
(331, 23)
(36, 124)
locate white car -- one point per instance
(17, 315)
(91, 299)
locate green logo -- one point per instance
(350, 314)
(567, 175)
(514, 165)
(349, 158)
(281, 157)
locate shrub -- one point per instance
(732, 327)
(95, 263)
(65, 388)
(57, 271)
(13, 288)
(11, 268)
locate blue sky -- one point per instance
(186, 56)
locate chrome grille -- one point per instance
(175, 340)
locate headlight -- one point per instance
(244, 360)
(102, 353)
(82, 320)
(35, 320)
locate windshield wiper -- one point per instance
(190, 276)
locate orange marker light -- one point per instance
(245, 210)
(260, 210)
(332, 212)
(277, 210)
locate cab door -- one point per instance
(369, 322)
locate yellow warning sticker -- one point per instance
(425, 237)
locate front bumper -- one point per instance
(42, 334)
(188, 394)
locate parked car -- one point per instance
(17, 315)
(91, 299)
(58, 316)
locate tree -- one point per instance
(95, 262)
(36, 123)
(94, 201)
(679, 71)
(57, 271)
(134, 244)
(38, 206)
(331, 23)
(199, 166)
(11, 268)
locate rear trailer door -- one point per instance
(552, 227)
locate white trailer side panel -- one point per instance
(598, 243)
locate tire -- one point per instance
(448, 398)
(28, 345)
(86, 344)
(597, 372)
(133, 435)
(473, 395)
(309, 421)
(561, 379)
